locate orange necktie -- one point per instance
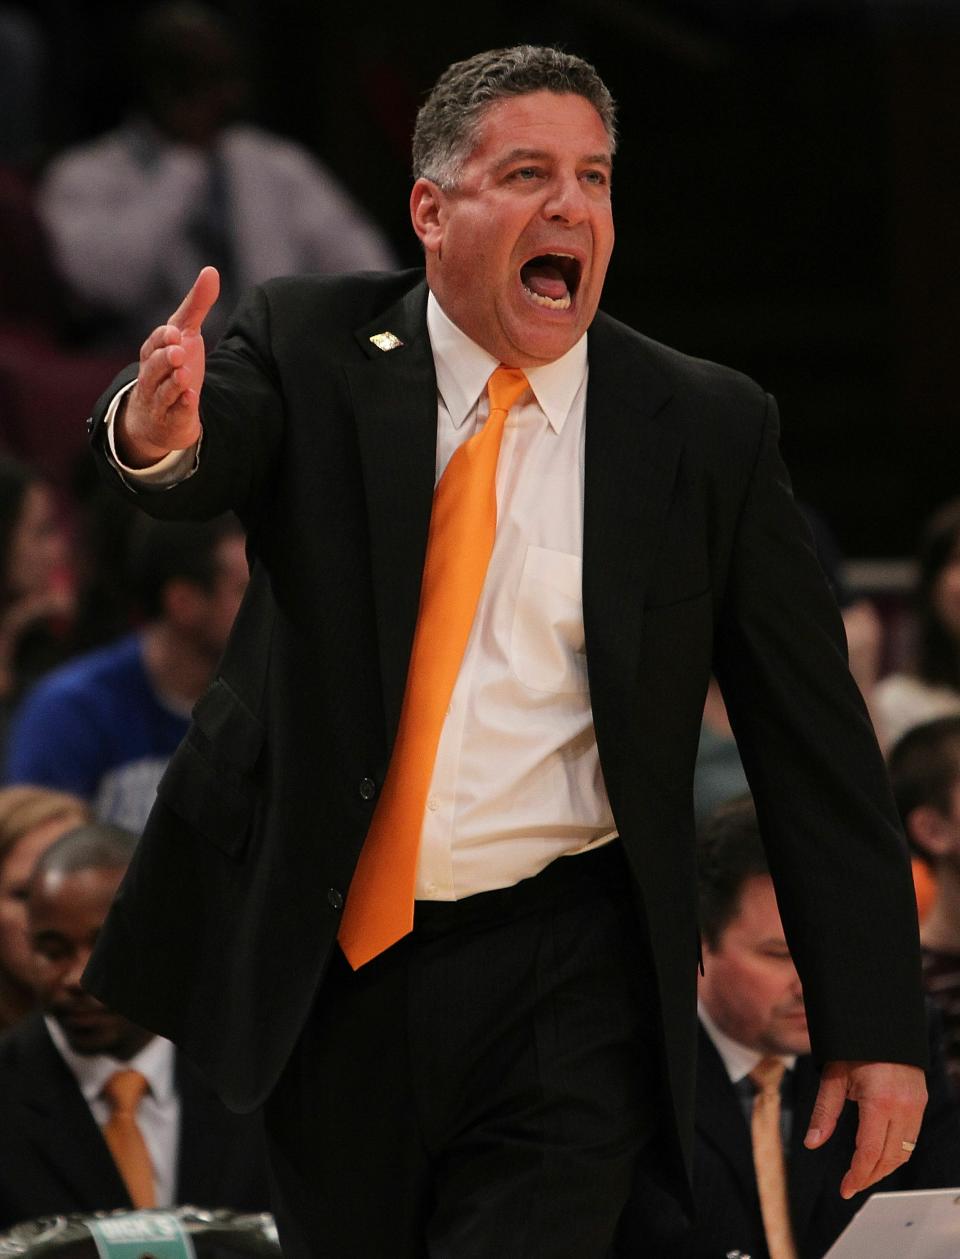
(768, 1159)
(463, 523)
(124, 1091)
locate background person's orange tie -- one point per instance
(768, 1161)
(463, 523)
(124, 1091)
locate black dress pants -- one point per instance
(481, 1090)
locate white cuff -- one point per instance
(174, 467)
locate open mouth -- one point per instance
(551, 280)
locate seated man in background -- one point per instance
(925, 771)
(31, 818)
(758, 1189)
(133, 214)
(96, 1113)
(104, 725)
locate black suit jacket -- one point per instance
(728, 1209)
(54, 1160)
(694, 558)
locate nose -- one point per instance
(566, 201)
(796, 988)
(78, 963)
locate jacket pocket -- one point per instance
(210, 781)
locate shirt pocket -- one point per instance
(546, 640)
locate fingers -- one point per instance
(166, 334)
(195, 307)
(826, 1109)
(161, 367)
(879, 1151)
(891, 1099)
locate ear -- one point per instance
(427, 206)
(932, 833)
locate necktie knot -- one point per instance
(504, 388)
(768, 1074)
(124, 1091)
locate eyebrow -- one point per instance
(539, 155)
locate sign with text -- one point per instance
(141, 1235)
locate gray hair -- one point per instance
(446, 127)
(95, 846)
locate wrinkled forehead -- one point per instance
(509, 116)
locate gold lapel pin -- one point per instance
(385, 341)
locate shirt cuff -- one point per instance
(177, 466)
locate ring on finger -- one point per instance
(908, 1146)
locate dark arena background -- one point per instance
(787, 191)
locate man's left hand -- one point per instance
(890, 1096)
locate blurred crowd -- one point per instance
(111, 626)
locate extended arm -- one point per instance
(829, 824)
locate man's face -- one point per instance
(229, 587)
(517, 253)
(66, 912)
(16, 958)
(750, 986)
(206, 616)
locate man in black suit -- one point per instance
(473, 1089)
(55, 1069)
(752, 1009)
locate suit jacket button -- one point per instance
(368, 788)
(334, 899)
(90, 423)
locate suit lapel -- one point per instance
(394, 395)
(631, 460)
(720, 1119)
(58, 1120)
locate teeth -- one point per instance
(552, 303)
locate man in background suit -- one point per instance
(56, 1066)
(473, 1087)
(751, 1010)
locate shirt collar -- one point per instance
(155, 1061)
(463, 369)
(738, 1059)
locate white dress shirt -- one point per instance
(158, 1115)
(517, 780)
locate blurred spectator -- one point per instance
(64, 1073)
(105, 725)
(36, 583)
(136, 213)
(31, 818)
(753, 1022)
(925, 770)
(932, 688)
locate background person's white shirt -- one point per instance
(158, 1115)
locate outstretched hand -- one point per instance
(163, 408)
(890, 1096)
